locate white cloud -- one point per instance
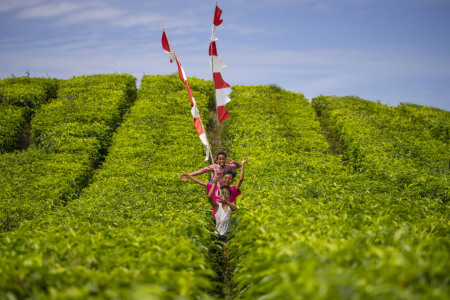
(49, 10)
(93, 14)
(245, 30)
(9, 5)
(133, 20)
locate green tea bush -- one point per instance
(88, 106)
(435, 120)
(310, 227)
(383, 143)
(20, 97)
(34, 182)
(71, 136)
(26, 91)
(137, 231)
(50, 85)
(12, 121)
(30, 95)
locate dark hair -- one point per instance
(221, 153)
(223, 187)
(228, 171)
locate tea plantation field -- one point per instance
(343, 198)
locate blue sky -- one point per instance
(390, 51)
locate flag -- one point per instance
(217, 65)
(166, 47)
(194, 110)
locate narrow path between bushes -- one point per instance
(332, 140)
(222, 268)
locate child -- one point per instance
(223, 208)
(221, 159)
(228, 179)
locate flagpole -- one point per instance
(214, 87)
(215, 100)
(198, 113)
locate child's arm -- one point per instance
(232, 205)
(195, 179)
(234, 162)
(202, 171)
(241, 177)
(211, 195)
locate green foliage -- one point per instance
(435, 120)
(30, 95)
(34, 182)
(19, 98)
(137, 230)
(309, 227)
(390, 144)
(370, 223)
(71, 136)
(26, 91)
(12, 121)
(50, 85)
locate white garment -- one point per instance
(223, 220)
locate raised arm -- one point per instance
(195, 179)
(234, 162)
(241, 176)
(202, 171)
(211, 194)
(232, 205)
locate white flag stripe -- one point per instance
(221, 98)
(204, 139)
(217, 63)
(213, 36)
(171, 55)
(184, 74)
(208, 149)
(194, 112)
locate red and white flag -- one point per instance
(166, 47)
(217, 65)
(194, 110)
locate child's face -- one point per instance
(225, 194)
(227, 179)
(221, 160)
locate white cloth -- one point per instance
(223, 220)
(221, 97)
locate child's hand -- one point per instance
(184, 176)
(222, 199)
(230, 161)
(244, 160)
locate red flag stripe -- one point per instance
(217, 21)
(213, 49)
(198, 126)
(181, 73)
(197, 121)
(191, 95)
(222, 113)
(219, 83)
(165, 42)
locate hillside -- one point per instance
(343, 197)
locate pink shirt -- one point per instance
(219, 170)
(234, 194)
